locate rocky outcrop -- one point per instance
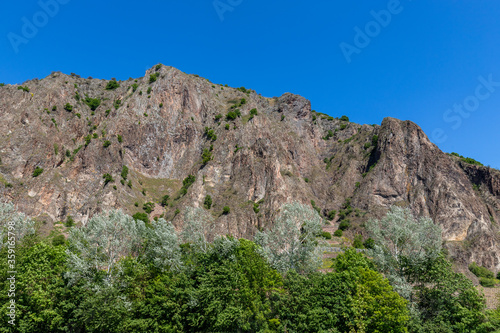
(158, 126)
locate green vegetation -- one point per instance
(164, 200)
(93, 103)
(25, 88)
(106, 144)
(116, 104)
(68, 107)
(112, 85)
(158, 67)
(313, 204)
(344, 118)
(37, 172)
(120, 139)
(208, 202)
(107, 112)
(232, 115)
(343, 127)
(375, 140)
(338, 233)
(326, 235)
(210, 133)
(218, 117)
(141, 217)
(328, 135)
(332, 214)
(148, 207)
(107, 178)
(124, 172)
(186, 183)
(206, 156)
(134, 87)
(226, 127)
(153, 78)
(467, 159)
(159, 280)
(481, 271)
(226, 210)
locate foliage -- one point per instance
(338, 233)
(186, 183)
(107, 178)
(106, 144)
(93, 103)
(124, 172)
(232, 115)
(162, 249)
(344, 225)
(486, 282)
(344, 118)
(153, 77)
(358, 242)
(119, 137)
(25, 88)
(164, 200)
(331, 214)
(148, 207)
(208, 202)
(291, 242)
(326, 235)
(403, 241)
(95, 248)
(112, 85)
(37, 172)
(14, 222)
(141, 217)
(226, 210)
(68, 107)
(481, 271)
(197, 228)
(210, 133)
(134, 87)
(467, 159)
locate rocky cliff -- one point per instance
(168, 125)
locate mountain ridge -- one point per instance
(251, 162)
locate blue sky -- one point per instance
(415, 63)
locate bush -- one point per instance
(375, 140)
(343, 127)
(106, 144)
(481, 271)
(338, 233)
(206, 156)
(218, 117)
(488, 283)
(148, 207)
(69, 221)
(93, 103)
(119, 137)
(331, 214)
(210, 133)
(208, 202)
(68, 107)
(226, 210)
(25, 89)
(37, 172)
(344, 225)
(107, 112)
(107, 178)
(134, 87)
(498, 276)
(226, 127)
(344, 118)
(54, 108)
(369, 243)
(358, 242)
(58, 240)
(153, 78)
(141, 217)
(326, 235)
(112, 85)
(124, 173)
(164, 200)
(232, 115)
(117, 104)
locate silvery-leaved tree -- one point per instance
(403, 243)
(197, 228)
(291, 243)
(95, 249)
(162, 246)
(14, 225)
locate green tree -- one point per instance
(13, 221)
(208, 202)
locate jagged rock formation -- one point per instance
(156, 126)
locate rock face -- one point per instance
(159, 127)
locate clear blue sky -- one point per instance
(417, 66)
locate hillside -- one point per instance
(166, 126)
